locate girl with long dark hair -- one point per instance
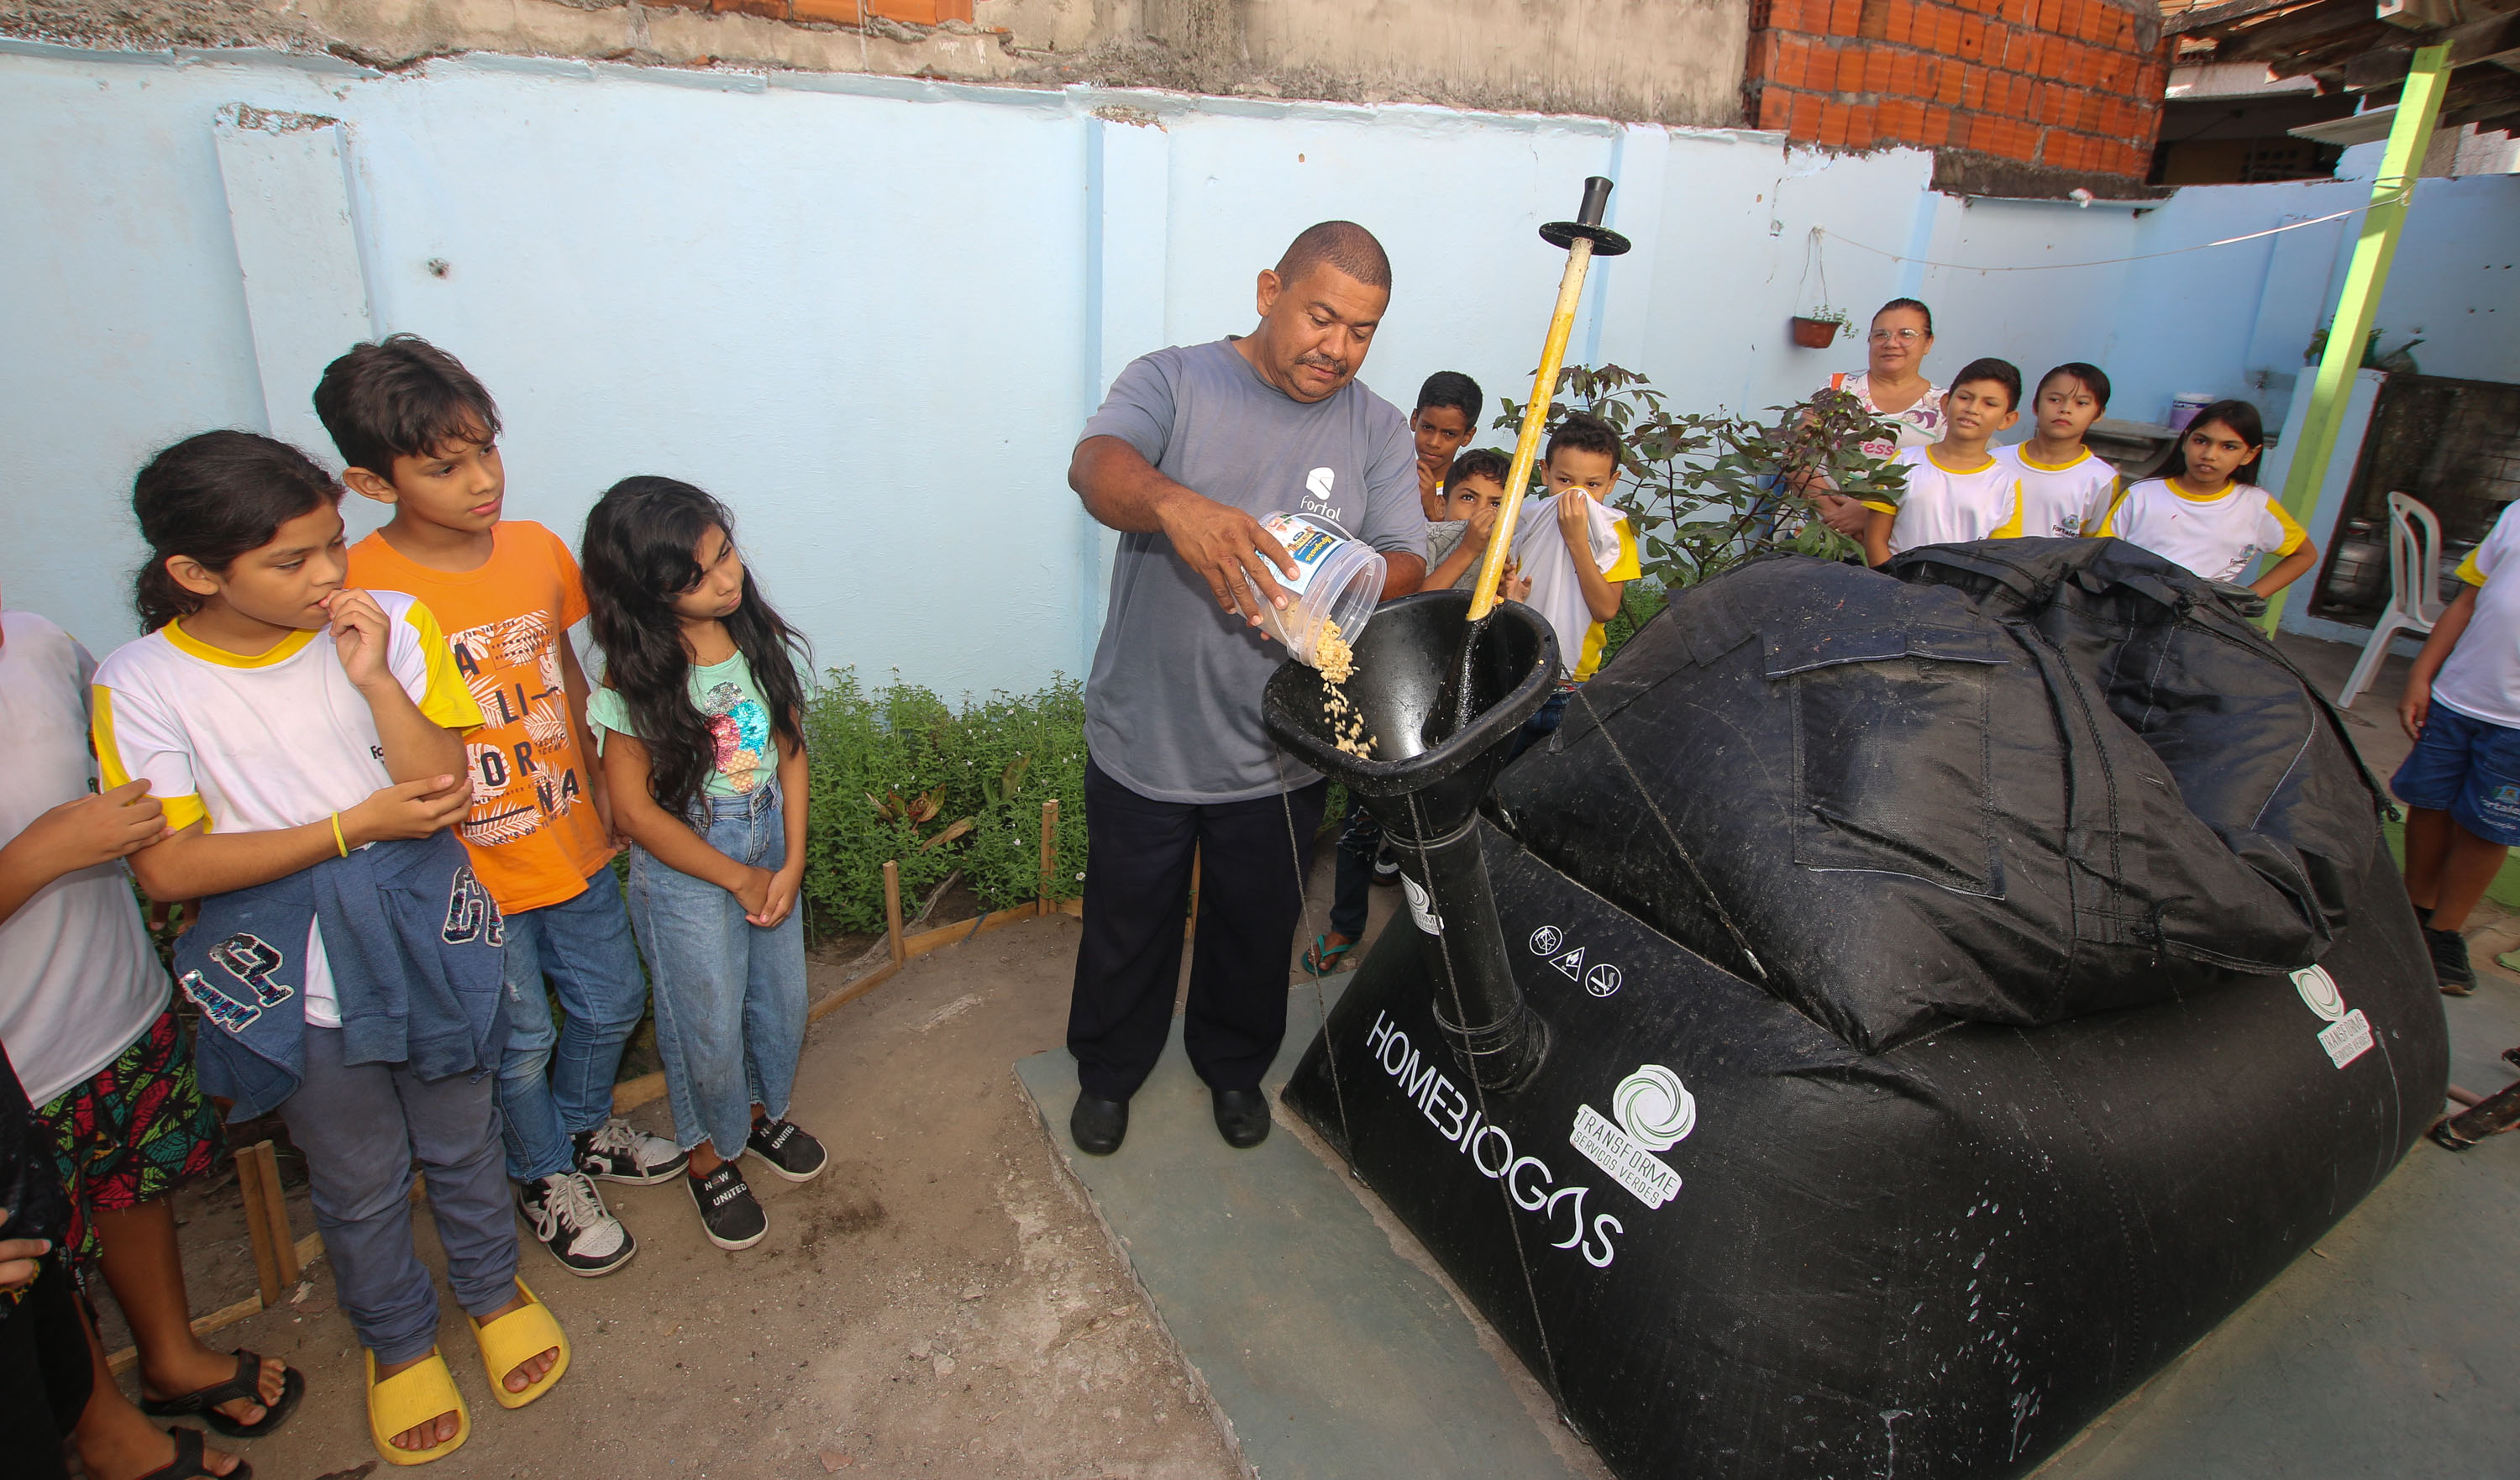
(2204, 513)
(701, 717)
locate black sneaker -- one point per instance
(1386, 868)
(619, 1151)
(789, 1152)
(570, 1221)
(2450, 962)
(728, 1214)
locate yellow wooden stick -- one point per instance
(1535, 421)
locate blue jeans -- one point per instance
(1359, 840)
(1543, 724)
(362, 1127)
(730, 995)
(545, 1096)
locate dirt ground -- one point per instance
(939, 1303)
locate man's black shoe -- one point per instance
(1241, 1117)
(1098, 1125)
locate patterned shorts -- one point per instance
(135, 1130)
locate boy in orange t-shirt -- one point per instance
(420, 433)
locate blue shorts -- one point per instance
(2468, 769)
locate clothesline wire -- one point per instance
(2141, 256)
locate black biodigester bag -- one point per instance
(1955, 990)
(2022, 780)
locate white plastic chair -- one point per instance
(2414, 589)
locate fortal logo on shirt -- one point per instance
(1317, 490)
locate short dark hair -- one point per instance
(2003, 372)
(401, 397)
(1450, 387)
(1478, 463)
(1343, 245)
(216, 496)
(1908, 303)
(2092, 379)
(1582, 432)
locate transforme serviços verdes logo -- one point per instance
(1652, 1105)
(2318, 992)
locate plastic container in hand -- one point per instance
(1336, 579)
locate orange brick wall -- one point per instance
(2064, 84)
(837, 12)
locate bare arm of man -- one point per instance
(1226, 546)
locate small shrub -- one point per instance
(899, 775)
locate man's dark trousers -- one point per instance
(1137, 895)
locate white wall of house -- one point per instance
(872, 313)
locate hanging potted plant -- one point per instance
(1817, 329)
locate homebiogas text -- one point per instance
(1490, 1147)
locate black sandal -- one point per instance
(245, 1384)
(187, 1463)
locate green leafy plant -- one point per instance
(890, 766)
(1828, 315)
(1706, 492)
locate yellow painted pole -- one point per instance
(2409, 132)
(1535, 420)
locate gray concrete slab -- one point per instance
(2392, 1352)
(1330, 1356)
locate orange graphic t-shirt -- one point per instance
(533, 831)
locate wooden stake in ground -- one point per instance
(892, 909)
(1048, 852)
(266, 1220)
(1584, 238)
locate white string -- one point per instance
(2141, 256)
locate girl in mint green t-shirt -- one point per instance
(700, 720)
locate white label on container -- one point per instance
(1421, 907)
(1618, 1155)
(2347, 1037)
(1306, 543)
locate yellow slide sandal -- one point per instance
(510, 1340)
(409, 1399)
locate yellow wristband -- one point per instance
(338, 841)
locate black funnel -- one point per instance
(1425, 784)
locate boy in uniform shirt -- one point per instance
(1448, 412)
(2067, 489)
(1956, 490)
(1576, 555)
(419, 433)
(2461, 783)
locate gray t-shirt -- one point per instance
(1172, 709)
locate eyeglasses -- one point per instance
(1885, 336)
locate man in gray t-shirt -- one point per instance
(1195, 445)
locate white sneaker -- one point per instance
(570, 1220)
(619, 1151)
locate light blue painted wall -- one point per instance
(872, 313)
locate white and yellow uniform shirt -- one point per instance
(2065, 500)
(1557, 590)
(262, 745)
(2218, 537)
(2480, 677)
(1941, 506)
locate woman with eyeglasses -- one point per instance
(1892, 386)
